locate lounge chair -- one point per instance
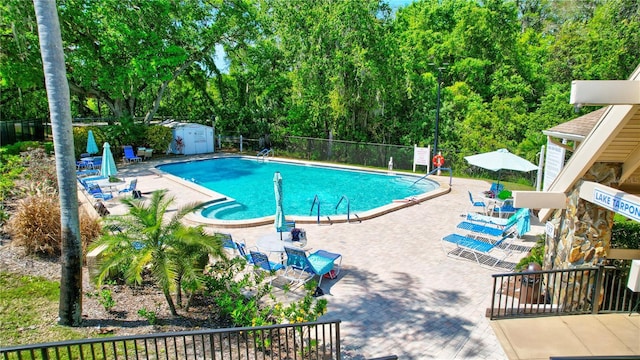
(476, 249)
(302, 267)
(521, 218)
(129, 156)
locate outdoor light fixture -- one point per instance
(435, 131)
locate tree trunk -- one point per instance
(55, 76)
(167, 296)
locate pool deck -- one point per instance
(398, 292)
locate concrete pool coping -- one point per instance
(214, 197)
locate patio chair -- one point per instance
(496, 188)
(476, 204)
(506, 208)
(302, 267)
(129, 156)
(96, 192)
(261, 262)
(129, 189)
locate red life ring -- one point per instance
(438, 160)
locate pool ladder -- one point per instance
(264, 153)
(316, 204)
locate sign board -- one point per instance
(617, 202)
(553, 163)
(421, 156)
(549, 229)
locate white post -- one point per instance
(540, 167)
(240, 143)
(414, 157)
(219, 141)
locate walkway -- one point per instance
(398, 292)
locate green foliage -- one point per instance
(105, 298)
(151, 316)
(159, 137)
(170, 250)
(22, 146)
(536, 255)
(127, 132)
(364, 73)
(625, 233)
(246, 298)
(31, 321)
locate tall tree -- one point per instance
(70, 308)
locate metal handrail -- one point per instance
(560, 292)
(348, 205)
(316, 199)
(264, 153)
(434, 171)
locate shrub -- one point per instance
(36, 224)
(39, 170)
(536, 255)
(159, 138)
(625, 233)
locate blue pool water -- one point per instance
(250, 183)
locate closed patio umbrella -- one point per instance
(499, 160)
(92, 147)
(280, 220)
(108, 163)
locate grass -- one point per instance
(29, 311)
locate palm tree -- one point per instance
(55, 76)
(174, 253)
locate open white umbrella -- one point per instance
(108, 163)
(500, 159)
(92, 147)
(280, 220)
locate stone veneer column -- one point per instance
(583, 234)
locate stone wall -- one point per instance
(582, 236)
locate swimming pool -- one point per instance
(249, 185)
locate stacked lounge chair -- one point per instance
(485, 239)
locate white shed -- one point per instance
(191, 138)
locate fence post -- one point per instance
(595, 305)
(240, 143)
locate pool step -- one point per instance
(218, 211)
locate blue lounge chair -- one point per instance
(476, 249)
(129, 156)
(520, 220)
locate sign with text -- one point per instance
(421, 156)
(553, 164)
(619, 204)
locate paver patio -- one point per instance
(398, 292)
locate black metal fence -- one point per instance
(319, 340)
(561, 292)
(13, 131)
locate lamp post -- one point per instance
(435, 135)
